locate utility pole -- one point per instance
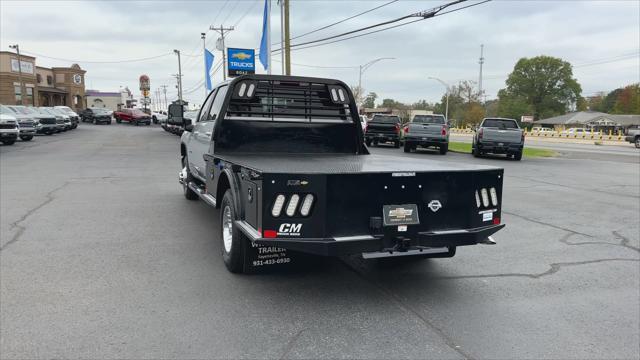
(22, 90)
(164, 89)
(203, 36)
(287, 38)
(481, 61)
(221, 31)
(282, 54)
(179, 76)
(446, 111)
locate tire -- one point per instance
(375, 142)
(26, 138)
(368, 142)
(48, 133)
(155, 120)
(234, 243)
(118, 120)
(517, 156)
(407, 148)
(444, 149)
(9, 142)
(396, 144)
(188, 193)
(637, 142)
(94, 122)
(136, 123)
(475, 152)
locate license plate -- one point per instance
(424, 138)
(406, 214)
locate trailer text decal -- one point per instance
(287, 229)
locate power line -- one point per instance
(235, 5)
(99, 62)
(343, 20)
(251, 7)
(389, 27)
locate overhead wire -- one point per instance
(98, 62)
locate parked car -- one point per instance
(285, 163)
(26, 123)
(9, 129)
(96, 116)
(633, 136)
(75, 118)
(68, 124)
(383, 128)
(132, 116)
(158, 116)
(60, 125)
(427, 131)
(498, 136)
(577, 132)
(45, 122)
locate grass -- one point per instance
(528, 151)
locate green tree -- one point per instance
(511, 106)
(545, 83)
(370, 100)
(628, 100)
(473, 114)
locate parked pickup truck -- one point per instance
(132, 116)
(9, 129)
(498, 136)
(284, 159)
(383, 128)
(633, 136)
(426, 131)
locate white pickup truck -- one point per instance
(498, 136)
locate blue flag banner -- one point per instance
(264, 43)
(208, 62)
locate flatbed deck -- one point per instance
(343, 164)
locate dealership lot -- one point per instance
(102, 257)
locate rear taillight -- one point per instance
(444, 131)
(480, 134)
(406, 129)
(293, 204)
(397, 128)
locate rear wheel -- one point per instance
(444, 148)
(475, 152)
(26, 138)
(9, 142)
(368, 142)
(637, 142)
(187, 178)
(407, 148)
(234, 243)
(118, 120)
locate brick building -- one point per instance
(42, 86)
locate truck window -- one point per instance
(217, 102)
(204, 111)
(428, 119)
(500, 123)
(386, 119)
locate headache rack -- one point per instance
(290, 100)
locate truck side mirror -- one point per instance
(188, 126)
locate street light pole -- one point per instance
(177, 52)
(446, 112)
(22, 90)
(203, 36)
(366, 66)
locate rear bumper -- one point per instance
(630, 139)
(425, 140)
(367, 243)
(382, 137)
(27, 131)
(499, 148)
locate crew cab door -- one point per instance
(203, 130)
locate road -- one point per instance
(102, 257)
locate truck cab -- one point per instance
(284, 160)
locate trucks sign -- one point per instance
(241, 61)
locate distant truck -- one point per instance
(498, 136)
(9, 129)
(633, 136)
(427, 131)
(383, 128)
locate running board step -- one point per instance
(210, 200)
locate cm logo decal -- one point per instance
(287, 229)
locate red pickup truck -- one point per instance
(133, 116)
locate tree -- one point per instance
(545, 83)
(473, 115)
(511, 106)
(370, 100)
(628, 100)
(358, 93)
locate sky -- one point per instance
(600, 38)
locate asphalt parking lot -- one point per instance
(102, 257)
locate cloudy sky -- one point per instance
(600, 38)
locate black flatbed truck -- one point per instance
(284, 160)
